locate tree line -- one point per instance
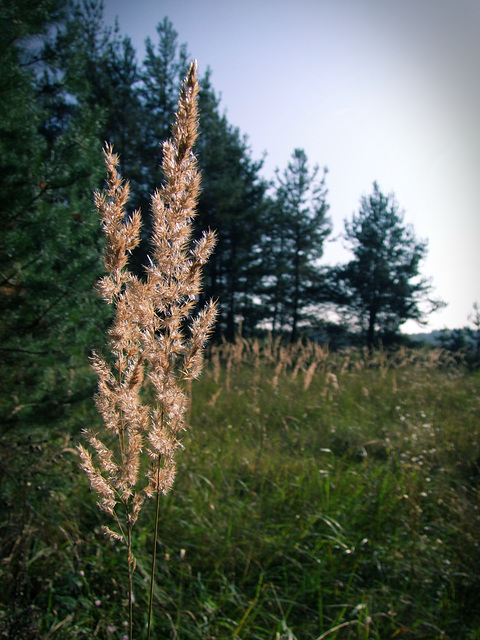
(69, 83)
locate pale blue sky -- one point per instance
(380, 90)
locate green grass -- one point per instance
(339, 513)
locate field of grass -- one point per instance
(319, 495)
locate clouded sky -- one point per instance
(373, 89)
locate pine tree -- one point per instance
(50, 251)
(105, 72)
(163, 68)
(298, 228)
(383, 282)
(232, 201)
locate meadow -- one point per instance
(319, 495)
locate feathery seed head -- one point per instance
(151, 341)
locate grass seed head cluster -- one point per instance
(153, 339)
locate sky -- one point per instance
(375, 90)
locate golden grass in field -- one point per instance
(148, 338)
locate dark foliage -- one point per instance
(382, 285)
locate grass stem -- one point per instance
(154, 554)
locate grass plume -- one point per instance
(154, 340)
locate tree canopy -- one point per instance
(50, 250)
(296, 230)
(382, 285)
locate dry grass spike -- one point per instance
(153, 338)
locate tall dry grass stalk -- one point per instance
(271, 359)
(151, 342)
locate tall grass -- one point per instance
(148, 335)
(346, 508)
